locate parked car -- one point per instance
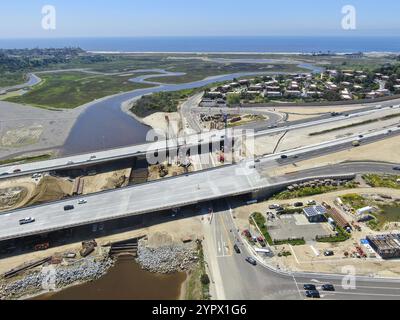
(328, 253)
(251, 261)
(69, 207)
(26, 220)
(310, 287)
(311, 202)
(298, 204)
(312, 294)
(274, 206)
(237, 249)
(328, 287)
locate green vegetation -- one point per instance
(341, 236)
(26, 159)
(260, 221)
(71, 89)
(160, 102)
(233, 99)
(293, 242)
(387, 212)
(8, 79)
(310, 191)
(354, 200)
(284, 254)
(198, 283)
(388, 117)
(382, 181)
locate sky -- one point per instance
(124, 18)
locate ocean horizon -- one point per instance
(270, 44)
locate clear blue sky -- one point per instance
(85, 18)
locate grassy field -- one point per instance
(71, 89)
(310, 191)
(197, 286)
(389, 212)
(385, 181)
(11, 79)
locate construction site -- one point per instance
(50, 186)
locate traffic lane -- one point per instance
(346, 289)
(256, 282)
(338, 169)
(333, 149)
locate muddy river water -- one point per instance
(125, 281)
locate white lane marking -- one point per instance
(298, 289)
(361, 294)
(363, 287)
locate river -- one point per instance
(125, 281)
(103, 124)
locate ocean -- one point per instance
(271, 44)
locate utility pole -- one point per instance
(166, 140)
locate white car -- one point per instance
(82, 201)
(26, 220)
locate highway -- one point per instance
(143, 149)
(236, 279)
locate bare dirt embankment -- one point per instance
(21, 192)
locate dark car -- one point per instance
(237, 249)
(298, 204)
(328, 253)
(17, 170)
(328, 287)
(396, 168)
(68, 207)
(251, 261)
(309, 287)
(3, 174)
(284, 156)
(312, 294)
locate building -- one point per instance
(387, 246)
(315, 213)
(272, 94)
(365, 210)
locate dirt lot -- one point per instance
(18, 192)
(106, 181)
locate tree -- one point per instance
(233, 99)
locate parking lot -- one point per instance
(296, 226)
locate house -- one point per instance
(386, 245)
(293, 93)
(315, 213)
(272, 93)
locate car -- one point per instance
(237, 249)
(311, 202)
(69, 207)
(251, 260)
(309, 287)
(82, 201)
(70, 162)
(312, 294)
(26, 220)
(328, 253)
(17, 170)
(274, 206)
(298, 204)
(93, 157)
(361, 136)
(328, 287)
(4, 174)
(396, 168)
(257, 160)
(284, 156)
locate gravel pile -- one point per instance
(86, 270)
(167, 259)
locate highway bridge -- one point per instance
(246, 177)
(191, 141)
